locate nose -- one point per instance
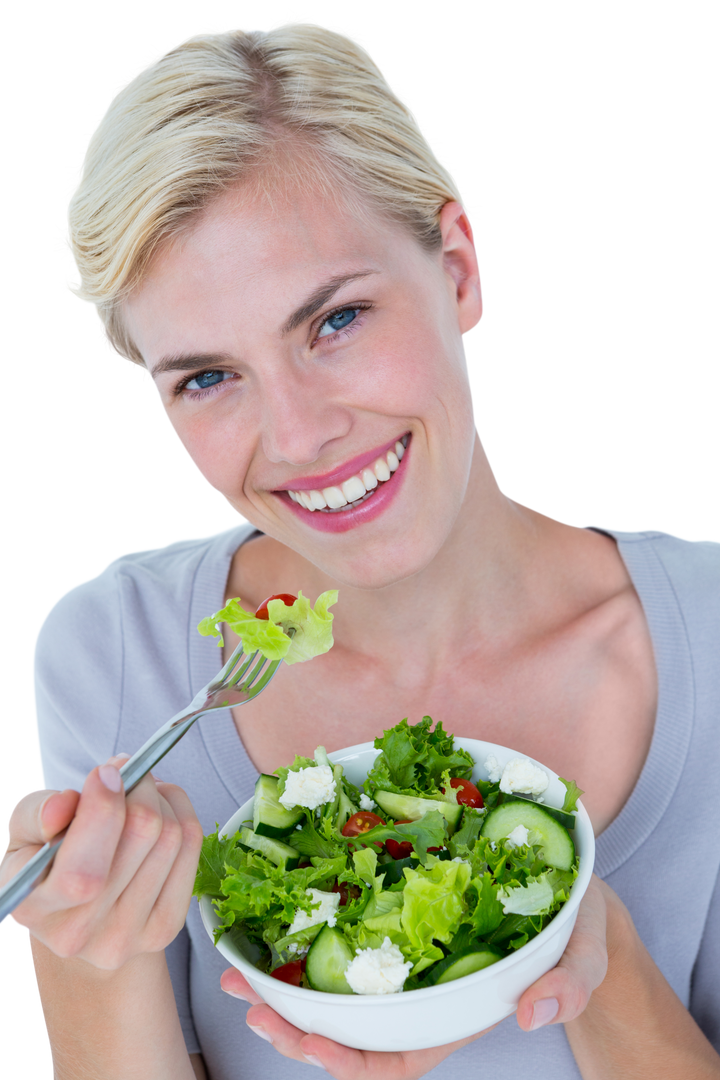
(298, 419)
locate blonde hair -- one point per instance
(207, 115)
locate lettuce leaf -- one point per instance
(428, 831)
(535, 897)
(311, 626)
(434, 902)
(215, 853)
(487, 914)
(572, 794)
(255, 890)
(414, 758)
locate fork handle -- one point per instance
(132, 772)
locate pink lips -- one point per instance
(343, 472)
(344, 520)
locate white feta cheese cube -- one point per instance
(310, 787)
(493, 769)
(378, 971)
(518, 837)
(366, 802)
(521, 774)
(326, 912)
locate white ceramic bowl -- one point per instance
(438, 1014)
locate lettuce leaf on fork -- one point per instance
(312, 627)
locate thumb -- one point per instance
(563, 993)
(56, 812)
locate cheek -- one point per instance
(220, 448)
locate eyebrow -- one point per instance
(316, 300)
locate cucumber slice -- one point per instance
(568, 820)
(411, 807)
(474, 958)
(270, 818)
(327, 961)
(281, 854)
(557, 850)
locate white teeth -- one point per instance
(380, 468)
(356, 488)
(353, 489)
(369, 479)
(334, 497)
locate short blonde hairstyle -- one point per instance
(207, 115)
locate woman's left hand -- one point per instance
(559, 996)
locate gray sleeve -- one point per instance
(78, 683)
(705, 987)
(79, 677)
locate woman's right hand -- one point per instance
(122, 880)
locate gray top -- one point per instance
(127, 640)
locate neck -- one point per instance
(501, 574)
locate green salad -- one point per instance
(420, 878)
(284, 627)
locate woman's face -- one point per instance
(294, 347)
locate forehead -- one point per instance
(252, 253)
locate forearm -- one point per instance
(109, 1025)
(635, 1027)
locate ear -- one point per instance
(460, 263)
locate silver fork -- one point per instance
(240, 680)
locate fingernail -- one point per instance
(260, 1031)
(544, 1011)
(44, 803)
(312, 1060)
(110, 777)
(234, 994)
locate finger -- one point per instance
(563, 993)
(142, 827)
(344, 1062)
(57, 811)
(154, 904)
(81, 862)
(235, 984)
(27, 820)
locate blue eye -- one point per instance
(338, 321)
(206, 380)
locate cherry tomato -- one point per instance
(262, 611)
(290, 973)
(467, 793)
(362, 822)
(346, 890)
(399, 849)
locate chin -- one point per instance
(381, 567)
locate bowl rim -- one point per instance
(567, 912)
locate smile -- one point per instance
(357, 489)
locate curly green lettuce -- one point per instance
(311, 627)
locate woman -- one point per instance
(263, 228)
